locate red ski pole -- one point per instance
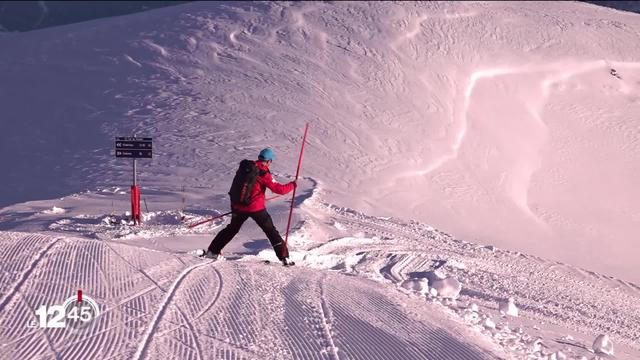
(222, 215)
(286, 237)
(208, 220)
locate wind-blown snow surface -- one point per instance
(511, 124)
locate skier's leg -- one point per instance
(263, 219)
(226, 234)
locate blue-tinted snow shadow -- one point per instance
(16, 220)
(630, 6)
(63, 100)
(254, 247)
(304, 192)
(67, 91)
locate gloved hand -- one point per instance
(295, 184)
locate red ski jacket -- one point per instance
(263, 182)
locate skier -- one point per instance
(252, 206)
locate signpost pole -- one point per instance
(135, 200)
(135, 197)
(134, 147)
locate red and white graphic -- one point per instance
(76, 312)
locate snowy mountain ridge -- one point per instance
(413, 108)
(510, 125)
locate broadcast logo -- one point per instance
(76, 313)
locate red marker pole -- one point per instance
(286, 237)
(135, 196)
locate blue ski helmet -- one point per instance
(266, 154)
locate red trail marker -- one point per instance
(304, 140)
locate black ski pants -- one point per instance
(264, 221)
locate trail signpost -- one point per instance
(134, 148)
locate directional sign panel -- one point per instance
(132, 147)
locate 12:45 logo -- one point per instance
(77, 312)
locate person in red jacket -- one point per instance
(257, 211)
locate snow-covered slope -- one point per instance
(363, 288)
(508, 124)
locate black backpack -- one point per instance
(243, 182)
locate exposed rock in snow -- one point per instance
(603, 345)
(508, 308)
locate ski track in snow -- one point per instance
(13, 253)
(326, 320)
(258, 311)
(151, 328)
(84, 264)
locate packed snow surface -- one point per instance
(511, 125)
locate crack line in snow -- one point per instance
(142, 347)
(526, 69)
(560, 71)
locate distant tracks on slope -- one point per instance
(144, 273)
(25, 275)
(326, 319)
(215, 299)
(144, 344)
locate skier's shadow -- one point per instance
(255, 246)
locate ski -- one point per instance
(199, 253)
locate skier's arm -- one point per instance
(276, 187)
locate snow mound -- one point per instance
(54, 211)
(448, 288)
(419, 285)
(603, 345)
(508, 307)
(558, 355)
